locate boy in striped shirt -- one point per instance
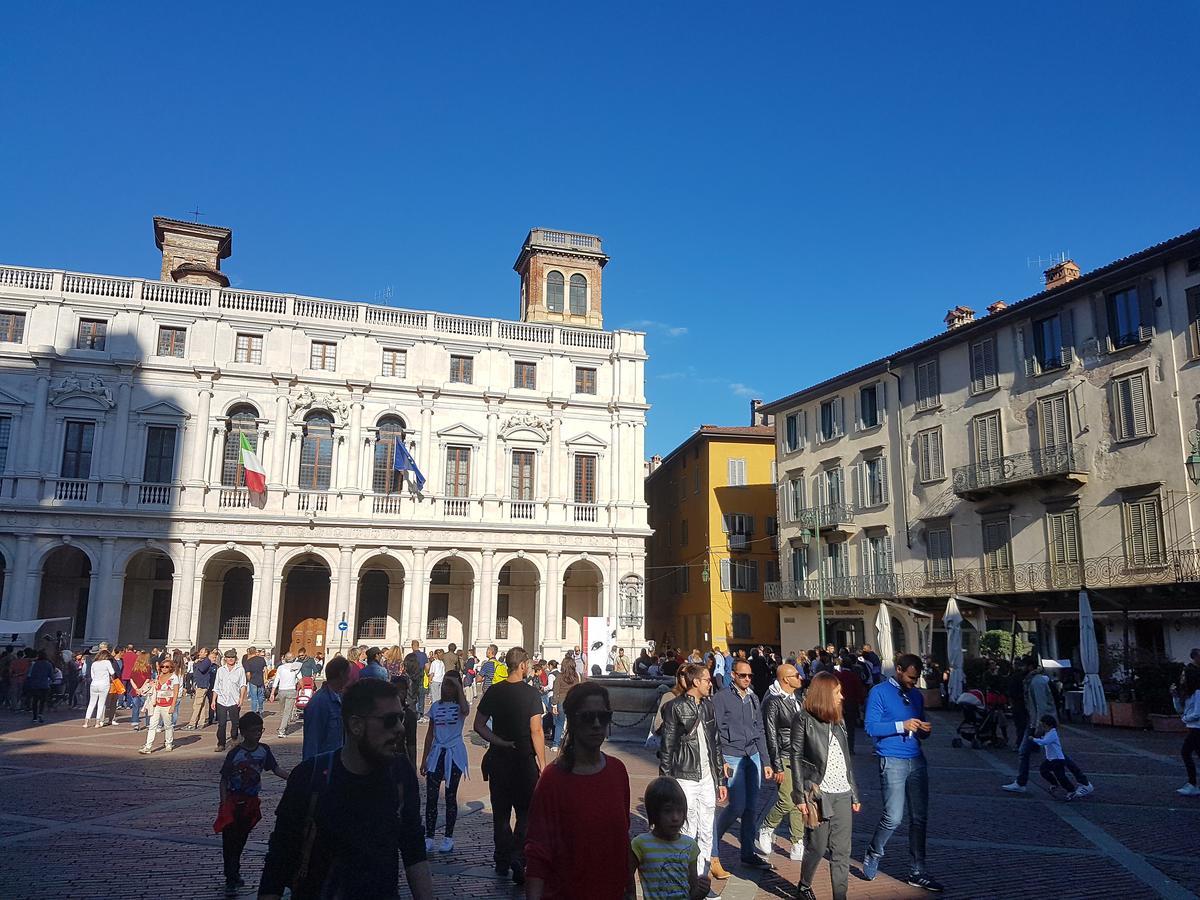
(664, 857)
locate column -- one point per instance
(263, 599)
(483, 602)
(615, 488)
(634, 469)
(116, 454)
(339, 602)
(489, 461)
(426, 448)
(102, 620)
(279, 434)
(200, 442)
(35, 447)
(556, 494)
(13, 584)
(551, 613)
(610, 604)
(183, 599)
(350, 471)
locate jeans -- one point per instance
(227, 714)
(743, 802)
(905, 787)
(1055, 772)
(257, 697)
(160, 717)
(37, 700)
(510, 784)
(833, 833)
(1191, 746)
(421, 692)
(560, 720)
(135, 705)
(1028, 748)
(701, 808)
(785, 807)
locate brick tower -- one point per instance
(560, 278)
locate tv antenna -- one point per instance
(384, 297)
(1043, 262)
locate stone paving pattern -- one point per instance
(85, 816)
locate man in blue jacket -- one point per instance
(323, 715)
(895, 720)
(744, 747)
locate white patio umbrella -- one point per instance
(1089, 655)
(954, 650)
(887, 649)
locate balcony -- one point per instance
(836, 517)
(1065, 463)
(387, 504)
(585, 512)
(154, 495)
(522, 510)
(73, 491)
(233, 498)
(739, 542)
(456, 508)
(312, 502)
(837, 587)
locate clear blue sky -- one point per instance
(786, 191)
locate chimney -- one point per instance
(652, 464)
(960, 315)
(1060, 273)
(756, 416)
(191, 252)
(997, 307)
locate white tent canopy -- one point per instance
(26, 626)
(1089, 657)
(954, 647)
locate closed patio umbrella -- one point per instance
(887, 650)
(1094, 703)
(953, 621)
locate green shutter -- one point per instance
(1066, 323)
(1146, 309)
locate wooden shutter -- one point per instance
(753, 566)
(987, 439)
(1066, 323)
(1193, 305)
(866, 567)
(725, 579)
(839, 417)
(880, 402)
(1027, 349)
(929, 454)
(1146, 309)
(1131, 406)
(803, 427)
(983, 365)
(883, 480)
(1144, 531)
(922, 386)
(858, 476)
(1064, 538)
(995, 545)
(1055, 420)
(889, 558)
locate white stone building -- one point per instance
(122, 404)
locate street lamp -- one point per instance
(1193, 460)
(632, 592)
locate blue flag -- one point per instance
(403, 462)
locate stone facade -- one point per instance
(122, 403)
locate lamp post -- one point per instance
(1193, 461)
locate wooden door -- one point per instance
(309, 634)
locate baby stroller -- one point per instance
(983, 723)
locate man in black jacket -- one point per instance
(781, 706)
(690, 755)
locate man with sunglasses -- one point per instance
(347, 815)
(895, 720)
(781, 705)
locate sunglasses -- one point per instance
(388, 720)
(595, 717)
(904, 697)
(741, 674)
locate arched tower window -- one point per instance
(316, 452)
(385, 479)
(578, 295)
(243, 419)
(554, 291)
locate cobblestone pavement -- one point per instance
(85, 816)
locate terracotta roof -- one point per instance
(751, 430)
(763, 432)
(1013, 310)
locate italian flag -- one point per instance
(256, 476)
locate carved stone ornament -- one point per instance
(307, 399)
(527, 421)
(82, 385)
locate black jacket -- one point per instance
(778, 710)
(680, 753)
(810, 754)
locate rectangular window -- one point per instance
(159, 467)
(12, 327)
(171, 341)
(983, 366)
(1131, 407)
(439, 613)
(1048, 343)
(870, 405)
(696, 480)
(1054, 418)
(740, 624)
(1124, 318)
(1143, 532)
(793, 435)
(683, 533)
(5, 439)
(77, 450)
(772, 573)
(323, 356)
(796, 498)
(585, 381)
(462, 369)
(831, 419)
(929, 388)
(738, 523)
(997, 551)
(522, 474)
(585, 478)
(502, 616)
(988, 447)
(1063, 538)
(739, 574)
(395, 363)
(248, 349)
(737, 473)
(458, 471)
(92, 333)
(525, 376)
(873, 486)
(930, 464)
(939, 554)
(878, 563)
(799, 564)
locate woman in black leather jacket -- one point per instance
(690, 755)
(820, 758)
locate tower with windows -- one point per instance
(560, 278)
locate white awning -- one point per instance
(26, 626)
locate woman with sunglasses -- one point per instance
(163, 694)
(568, 855)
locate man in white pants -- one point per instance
(690, 755)
(286, 678)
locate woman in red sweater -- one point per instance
(577, 845)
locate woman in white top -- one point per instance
(444, 758)
(102, 675)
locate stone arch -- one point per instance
(583, 596)
(251, 552)
(382, 579)
(226, 595)
(448, 604)
(127, 551)
(287, 555)
(147, 593)
(66, 584)
(306, 583)
(43, 550)
(516, 602)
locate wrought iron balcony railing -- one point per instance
(828, 516)
(1065, 460)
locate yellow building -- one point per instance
(712, 508)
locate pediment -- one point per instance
(587, 439)
(7, 399)
(462, 432)
(163, 408)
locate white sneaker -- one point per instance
(797, 851)
(144, 750)
(1014, 788)
(1084, 789)
(1189, 790)
(428, 845)
(764, 841)
(447, 845)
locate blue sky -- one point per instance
(786, 190)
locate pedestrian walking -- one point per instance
(204, 674)
(819, 754)
(287, 677)
(348, 816)
(138, 689)
(437, 672)
(255, 667)
(574, 856)
(515, 756)
(1190, 700)
(323, 721)
(229, 693)
(895, 720)
(664, 857)
(415, 664)
(37, 683)
(444, 759)
(854, 694)
(743, 751)
(1054, 765)
(101, 673)
(781, 706)
(404, 689)
(690, 754)
(566, 680)
(471, 673)
(240, 810)
(487, 669)
(1039, 702)
(162, 694)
